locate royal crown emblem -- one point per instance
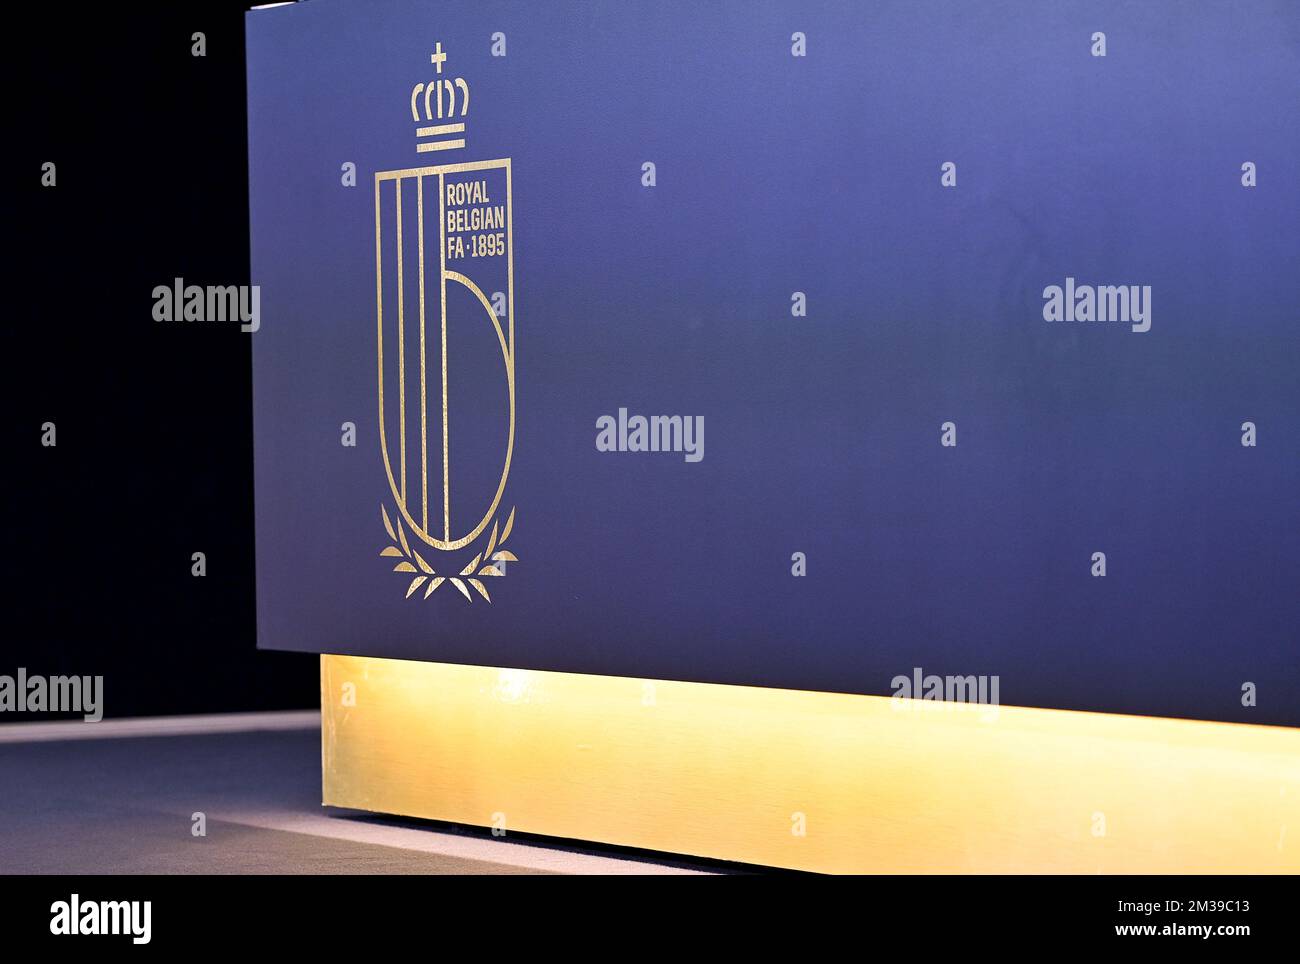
(446, 352)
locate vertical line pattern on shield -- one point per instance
(401, 347)
(379, 315)
(424, 402)
(510, 276)
(504, 330)
(442, 283)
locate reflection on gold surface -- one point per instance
(874, 784)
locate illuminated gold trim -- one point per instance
(882, 785)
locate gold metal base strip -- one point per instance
(813, 781)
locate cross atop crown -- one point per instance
(440, 97)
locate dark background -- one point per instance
(154, 454)
(154, 460)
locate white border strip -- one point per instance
(159, 726)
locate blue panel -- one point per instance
(571, 283)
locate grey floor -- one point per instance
(124, 806)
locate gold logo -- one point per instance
(440, 531)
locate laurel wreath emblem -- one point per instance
(424, 574)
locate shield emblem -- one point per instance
(444, 269)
